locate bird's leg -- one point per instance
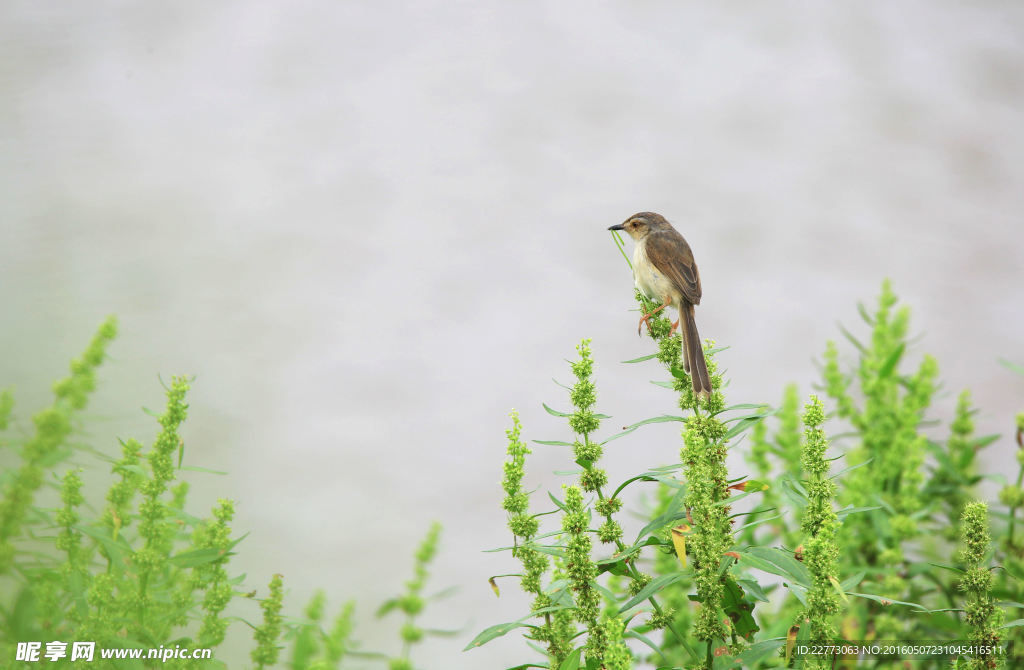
(672, 330)
(646, 318)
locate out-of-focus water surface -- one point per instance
(371, 229)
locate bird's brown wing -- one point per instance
(671, 255)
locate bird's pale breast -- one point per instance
(651, 283)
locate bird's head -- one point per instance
(640, 225)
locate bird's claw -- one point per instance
(644, 320)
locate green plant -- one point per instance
(867, 535)
(139, 572)
(724, 620)
(411, 603)
(981, 615)
(820, 551)
(707, 576)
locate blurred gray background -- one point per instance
(371, 229)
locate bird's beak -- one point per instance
(617, 226)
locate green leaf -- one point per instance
(755, 405)
(839, 589)
(853, 340)
(890, 363)
(759, 651)
(850, 469)
(767, 411)
(853, 581)
(553, 443)
(758, 522)
(496, 631)
(374, 655)
(754, 589)
(655, 419)
(845, 512)
(732, 499)
(743, 424)
(738, 607)
(886, 601)
(21, 620)
(1016, 623)
(723, 662)
(1011, 366)
(559, 593)
(629, 429)
(116, 548)
(646, 477)
(196, 468)
(572, 661)
(555, 412)
(550, 550)
(672, 513)
(191, 559)
(616, 567)
(776, 562)
(864, 314)
(650, 643)
(620, 556)
(451, 590)
(235, 543)
(548, 609)
(655, 585)
(641, 359)
(386, 606)
(798, 591)
(981, 442)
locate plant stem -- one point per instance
(1013, 510)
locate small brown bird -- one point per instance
(665, 272)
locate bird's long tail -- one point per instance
(694, 353)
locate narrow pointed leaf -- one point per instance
(493, 632)
(890, 363)
(887, 601)
(655, 585)
(641, 359)
(1010, 365)
(853, 340)
(555, 412)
